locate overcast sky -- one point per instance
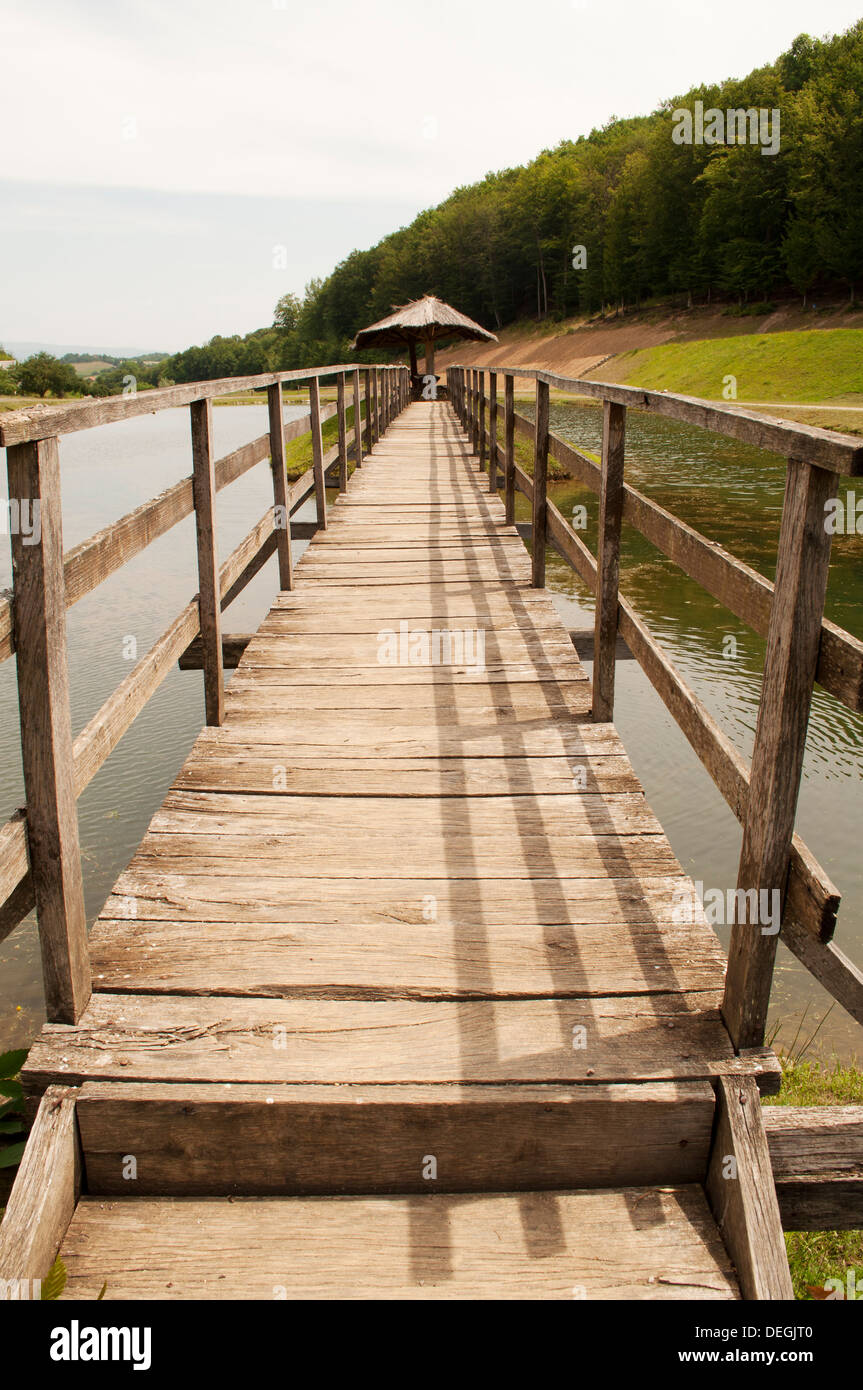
(153, 153)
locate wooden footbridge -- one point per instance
(395, 998)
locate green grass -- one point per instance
(298, 452)
(92, 368)
(812, 365)
(815, 1256)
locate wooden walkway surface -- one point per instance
(395, 913)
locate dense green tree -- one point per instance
(42, 373)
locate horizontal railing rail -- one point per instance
(39, 851)
(802, 646)
(42, 421)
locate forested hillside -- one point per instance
(655, 218)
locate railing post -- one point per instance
(793, 639)
(358, 423)
(540, 479)
(209, 596)
(376, 422)
(281, 492)
(318, 452)
(509, 447)
(475, 420)
(367, 376)
(492, 431)
(482, 433)
(39, 618)
(608, 561)
(343, 432)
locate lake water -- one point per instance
(731, 493)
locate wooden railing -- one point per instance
(40, 861)
(802, 646)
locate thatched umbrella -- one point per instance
(422, 321)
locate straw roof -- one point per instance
(419, 321)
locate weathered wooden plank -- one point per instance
(46, 731)
(146, 893)
(741, 1193)
(780, 738)
(43, 1196)
(542, 1245)
(608, 560)
(18, 905)
(823, 959)
(364, 1139)
(558, 818)
(278, 649)
(458, 600)
(249, 770)
(176, 1038)
(745, 592)
(101, 735)
(816, 1153)
(367, 380)
(811, 899)
(433, 961)
(343, 435)
(281, 498)
(610, 855)
(14, 854)
(492, 433)
(504, 551)
(318, 466)
(358, 427)
(413, 710)
(445, 677)
(41, 422)
(210, 617)
(509, 448)
(827, 449)
(376, 414)
(404, 734)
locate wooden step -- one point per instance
(216, 1140)
(171, 1038)
(649, 1242)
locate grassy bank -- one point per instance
(815, 1256)
(298, 452)
(823, 365)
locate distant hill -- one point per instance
(84, 351)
